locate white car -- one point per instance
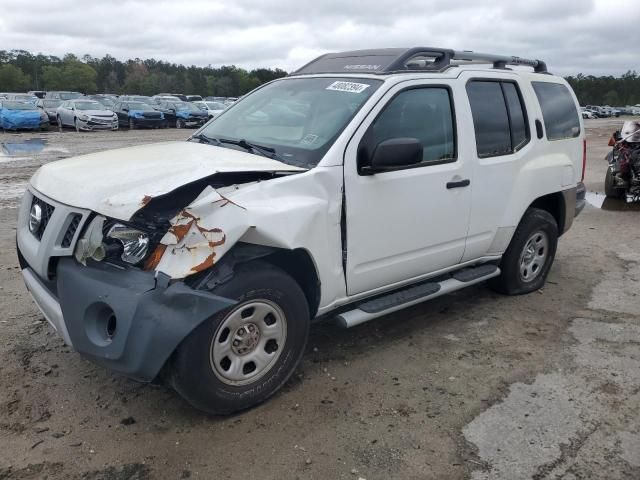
(363, 183)
(83, 114)
(213, 109)
(587, 113)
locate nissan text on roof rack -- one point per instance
(363, 183)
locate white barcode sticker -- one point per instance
(350, 87)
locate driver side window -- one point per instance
(425, 114)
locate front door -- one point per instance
(409, 222)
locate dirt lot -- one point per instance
(472, 385)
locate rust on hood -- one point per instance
(146, 199)
(207, 263)
(225, 201)
(154, 259)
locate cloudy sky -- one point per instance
(589, 36)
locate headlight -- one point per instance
(135, 243)
(83, 117)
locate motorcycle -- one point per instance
(623, 175)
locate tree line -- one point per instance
(22, 71)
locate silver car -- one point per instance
(213, 109)
(86, 115)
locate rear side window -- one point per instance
(558, 110)
(499, 117)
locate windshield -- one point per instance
(187, 106)
(51, 103)
(144, 107)
(88, 106)
(300, 118)
(25, 98)
(18, 106)
(215, 105)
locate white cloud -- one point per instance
(589, 36)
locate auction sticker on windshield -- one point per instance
(351, 87)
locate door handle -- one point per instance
(459, 184)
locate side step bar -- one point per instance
(414, 294)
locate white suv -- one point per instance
(363, 183)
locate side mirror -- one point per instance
(125, 109)
(394, 154)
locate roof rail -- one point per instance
(396, 60)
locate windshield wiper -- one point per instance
(204, 139)
(249, 147)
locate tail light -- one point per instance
(584, 158)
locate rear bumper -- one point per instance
(127, 320)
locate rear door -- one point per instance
(406, 223)
(502, 130)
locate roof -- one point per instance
(396, 60)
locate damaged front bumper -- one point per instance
(126, 320)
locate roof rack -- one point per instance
(395, 60)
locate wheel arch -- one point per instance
(298, 263)
(556, 204)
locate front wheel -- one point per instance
(244, 354)
(132, 124)
(77, 125)
(527, 261)
(180, 123)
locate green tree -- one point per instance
(12, 79)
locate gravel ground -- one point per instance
(471, 385)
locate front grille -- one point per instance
(151, 115)
(47, 211)
(71, 230)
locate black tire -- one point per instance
(191, 369)
(132, 124)
(609, 189)
(180, 123)
(60, 125)
(511, 280)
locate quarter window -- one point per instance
(499, 117)
(558, 110)
(422, 113)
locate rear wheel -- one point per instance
(610, 190)
(244, 354)
(528, 259)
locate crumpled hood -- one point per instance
(117, 183)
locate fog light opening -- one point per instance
(111, 326)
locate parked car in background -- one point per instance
(138, 114)
(194, 98)
(165, 98)
(138, 98)
(22, 97)
(86, 115)
(215, 99)
(586, 113)
(230, 100)
(213, 109)
(37, 93)
(63, 95)
(183, 114)
(18, 115)
(106, 100)
(49, 107)
(598, 111)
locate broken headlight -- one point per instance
(135, 243)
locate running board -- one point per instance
(412, 295)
